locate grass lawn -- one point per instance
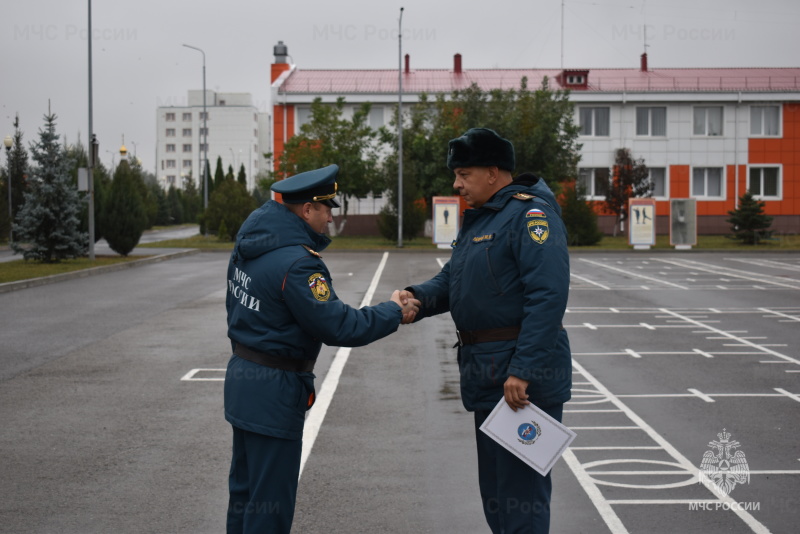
(13, 271)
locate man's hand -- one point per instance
(407, 303)
(514, 392)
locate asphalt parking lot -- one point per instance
(112, 418)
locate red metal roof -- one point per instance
(605, 80)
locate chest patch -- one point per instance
(319, 287)
(482, 238)
(538, 230)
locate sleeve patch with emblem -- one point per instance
(538, 230)
(319, 287)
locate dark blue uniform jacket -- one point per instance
(509, 267)
(281, 301)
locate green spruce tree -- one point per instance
(219, 177)
(749, 223)
(125, 215)
(47, 226)
(242, 176)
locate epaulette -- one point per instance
(312, 251)
(523, 196)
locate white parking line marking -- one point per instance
(590, 484)
(633, 353)
(701, 395)
(790, 395)
(190, 376)
(628, 273)
(588, 281)
(317, 415)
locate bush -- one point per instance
(413, 221)
(579, 218)
(231, 204)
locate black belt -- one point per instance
(273, 361)
(473, 337)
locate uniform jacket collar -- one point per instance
(273, 226)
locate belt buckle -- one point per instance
(460, 340)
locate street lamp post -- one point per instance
(205, 131)
(8, 142)
(400, 132)
(93, 140)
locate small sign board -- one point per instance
(683, 223)
(83, 179)
(642, 222)
(446, 221)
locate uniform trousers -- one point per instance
(262, 483)
(516, 499)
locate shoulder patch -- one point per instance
(319, 287)
(312, 252)
(523, 196)
(539, 230)
(535, 212)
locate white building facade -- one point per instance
(236, 132)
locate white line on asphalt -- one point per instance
(628, 273)
(773, 312)
(604, 506)
(724, 271)
(189, 377)
(790, 395)
(701, 395)
(584, 279)
(317, 415)
(732, 337)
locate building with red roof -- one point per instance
(705, 134)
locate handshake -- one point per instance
(410, 305)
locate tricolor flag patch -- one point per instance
(535, 212)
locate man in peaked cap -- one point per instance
(506, 287)
(281, 308)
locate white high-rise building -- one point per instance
(237, 132)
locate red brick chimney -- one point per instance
(644, 62)
(457, 64)
(408, 60)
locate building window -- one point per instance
(170, 148)
(594, 182)
(255, 133)
(203, 131)
(707, 182)
(575, 80)
(708, 120)
(303, 115)
(170, 132)
(187, 148)
(187, 116)
(170, 117)
(171, 179)
(658, 176)
(187, 164)
(187, 132)
(594, 121)
(376, 117)
(765, 120)
(765, 182)
(203, 115)
(255, 117)
(170, 163)
(651, 121)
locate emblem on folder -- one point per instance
(529, 432)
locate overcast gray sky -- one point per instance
(139, 62)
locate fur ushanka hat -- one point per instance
(480, 147)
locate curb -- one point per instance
(45, 280)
